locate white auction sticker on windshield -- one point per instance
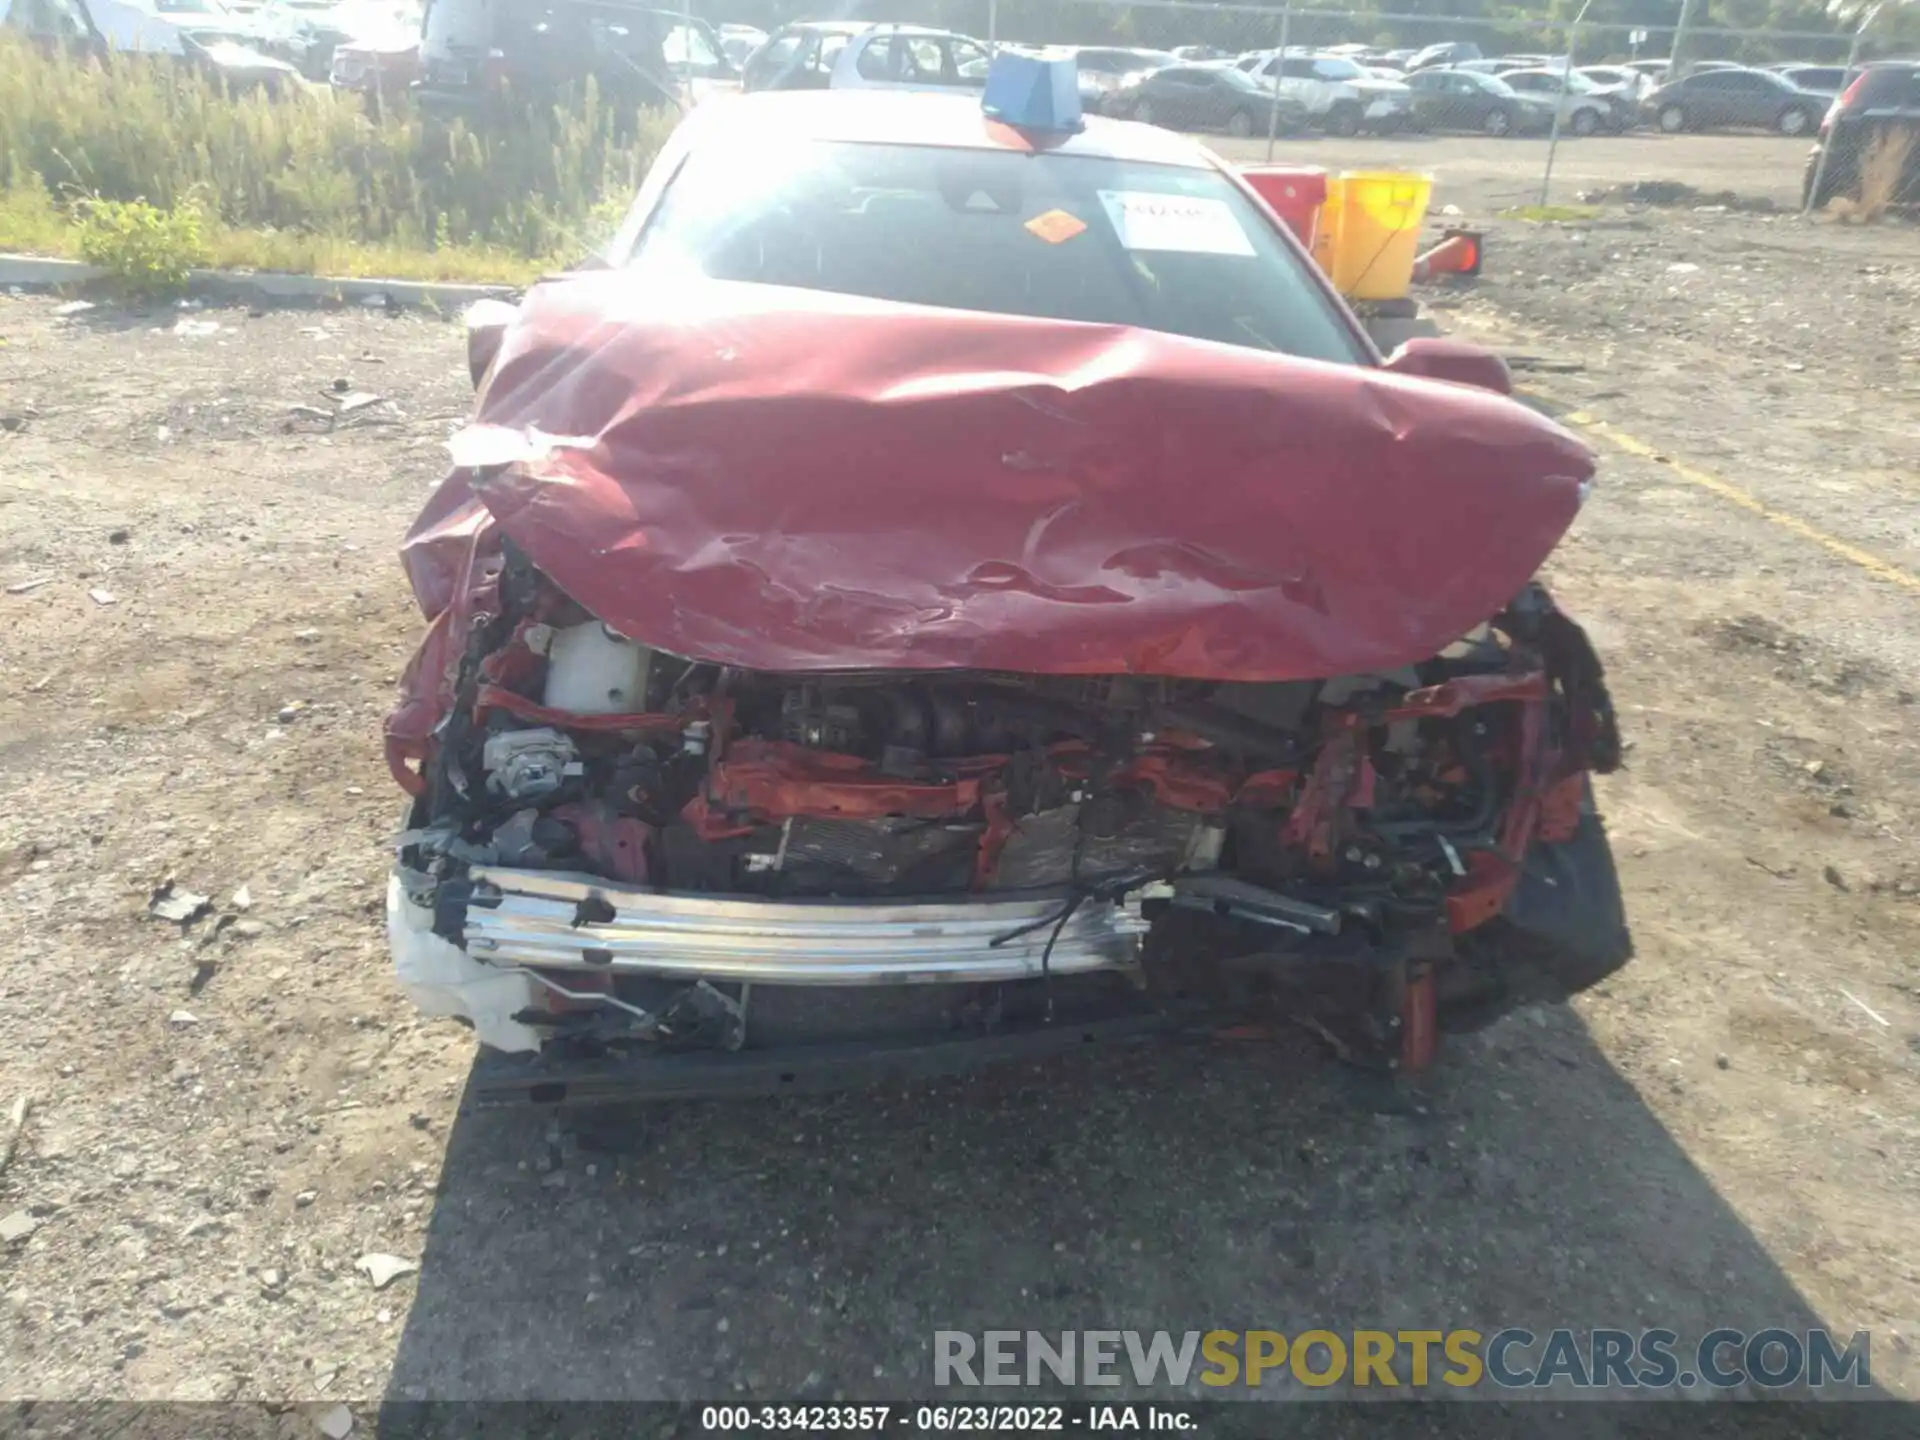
(1149, 220)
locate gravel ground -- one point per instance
(226, 1116)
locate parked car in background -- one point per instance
(1197, 53)
(476, 51)
(1584, 110)
(306, 32)
(1883, 98)
(1337, 94)
(1450, 52)
(207, 45)
(856, 56)
(1827, 80)
(1104, 68)
(738, 42)
(1446, 99)
(1205, 97)
(1734, 98)
(382, 59)
(1618, 80)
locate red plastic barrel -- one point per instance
(1296, 193)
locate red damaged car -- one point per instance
(940, 591)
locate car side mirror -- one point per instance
(486, 322)
(1435, 358)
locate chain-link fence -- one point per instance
(1665, 95)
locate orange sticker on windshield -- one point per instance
(1055, 226)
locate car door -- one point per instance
(1298, 80)
(1171, 93)
(1754, 99)
(1708, 98)
(1217, 98)
(1430, 101)
(774, 64)
(1464, 102)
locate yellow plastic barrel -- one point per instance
(1369, 232)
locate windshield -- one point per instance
(1161, 247)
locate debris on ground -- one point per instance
(336, 1423)
(17, 1227)
(73, 307)
(383, 1269)
(359, 400)
(102, 597)
(183, 907)
(23, 587)
(242, 899)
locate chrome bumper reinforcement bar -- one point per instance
(560, 921)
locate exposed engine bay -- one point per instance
(655, 848)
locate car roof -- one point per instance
(862, 27)
(895, 117)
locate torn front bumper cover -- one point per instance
(558, 921)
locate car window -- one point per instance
(1297, 68)
(970, 61)
(1890, 85)
(1333, 69)
(1085, 238)
(877, 60)
(686, 47)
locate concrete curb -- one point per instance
(36, 272)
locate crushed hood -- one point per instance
(788, 480)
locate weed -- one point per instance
(145, 250)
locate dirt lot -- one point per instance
(224, 1120)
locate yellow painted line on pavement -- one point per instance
(1727, 490)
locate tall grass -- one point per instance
(312, 172)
